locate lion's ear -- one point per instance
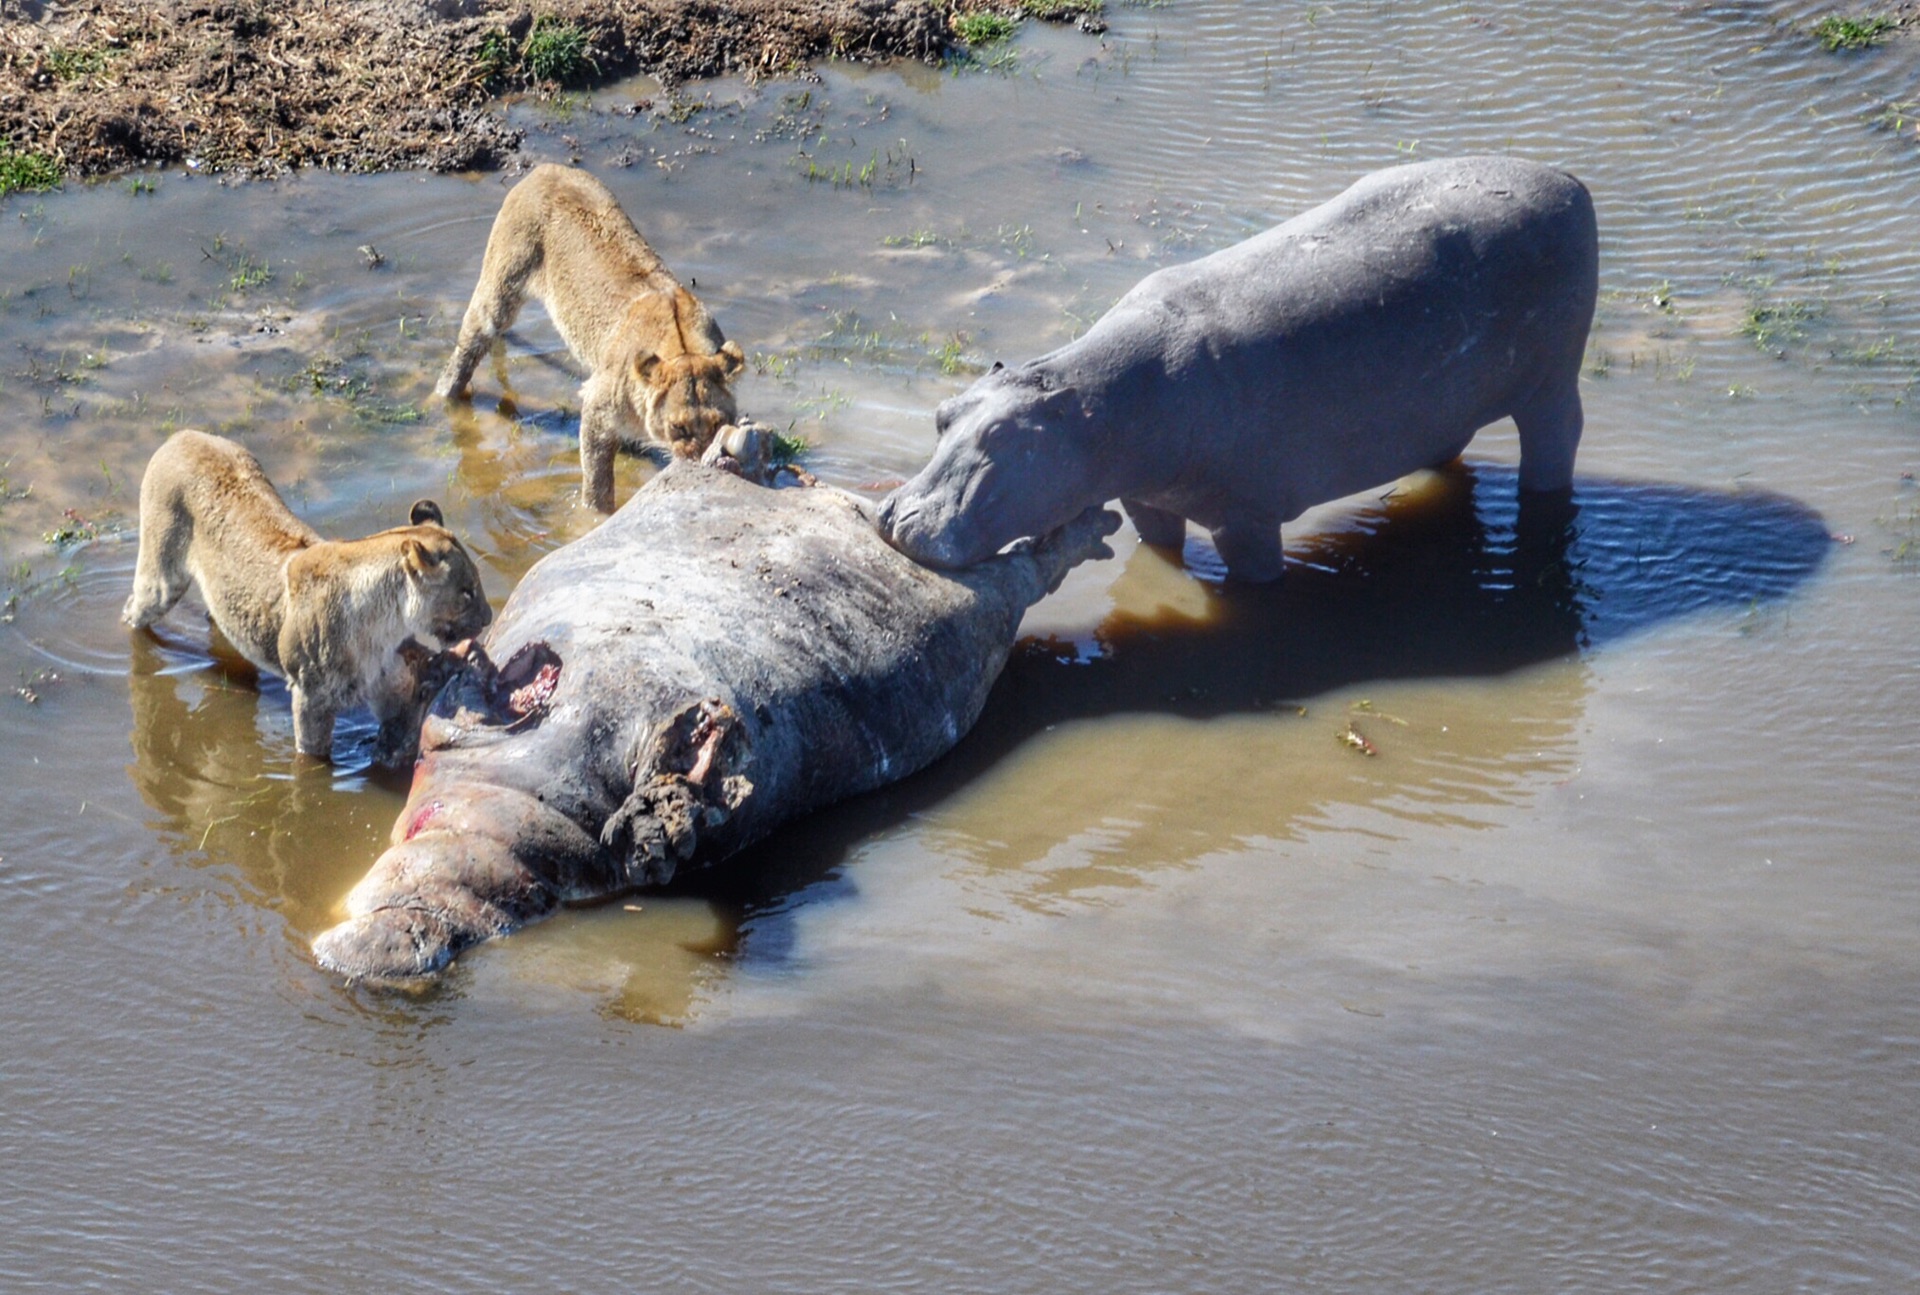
(425, 511)
(644, 365)
(734, 359)
(419, 558)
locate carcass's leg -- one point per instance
(432, 895)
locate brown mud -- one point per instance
(258, 88)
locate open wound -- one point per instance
(688, 779)
(483, 696)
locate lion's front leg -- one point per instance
(399, 700)
(599, 442)
(160, 576)
(312, 723)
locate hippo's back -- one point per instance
(1374, 334)
(1464, 235)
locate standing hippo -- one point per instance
(1363, 340)
(716, 659)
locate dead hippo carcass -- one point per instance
(715, 660)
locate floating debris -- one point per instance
(1365, 706)
(32, 685)
(1354, 738)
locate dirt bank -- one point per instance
(259, 86)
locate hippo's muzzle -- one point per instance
(906, 526)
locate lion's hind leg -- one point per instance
(514, 255)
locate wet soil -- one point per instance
(366, 85)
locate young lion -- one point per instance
(337, 618)
(660, 371)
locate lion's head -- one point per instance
(684, 401)
(443, 579)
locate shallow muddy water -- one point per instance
(1601, 974)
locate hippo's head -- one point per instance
(1014, 459)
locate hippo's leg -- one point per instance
(1158, 527)
(1251, 549)
(1550, 421)
(1452, 453)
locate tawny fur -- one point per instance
(659, 370)
(333, 617)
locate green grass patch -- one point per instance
(497, 56)
(555, 51)
(26, 172)
(69, 64)
(1864, 31)
(787, 450)
(983, 28)
(951, 356)
(1060, 10)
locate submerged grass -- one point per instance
(1772, 324)
(1836, 33)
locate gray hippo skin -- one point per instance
(1363, 340)
(716, 659)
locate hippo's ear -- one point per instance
(943, 415)
(423, 512)
(733, 359)
(1060, 401)
(997, 366)
(645, 363)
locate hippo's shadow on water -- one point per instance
(1448, 580)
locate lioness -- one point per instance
(660, 371)
(339, 619)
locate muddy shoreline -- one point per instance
(252, 87)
